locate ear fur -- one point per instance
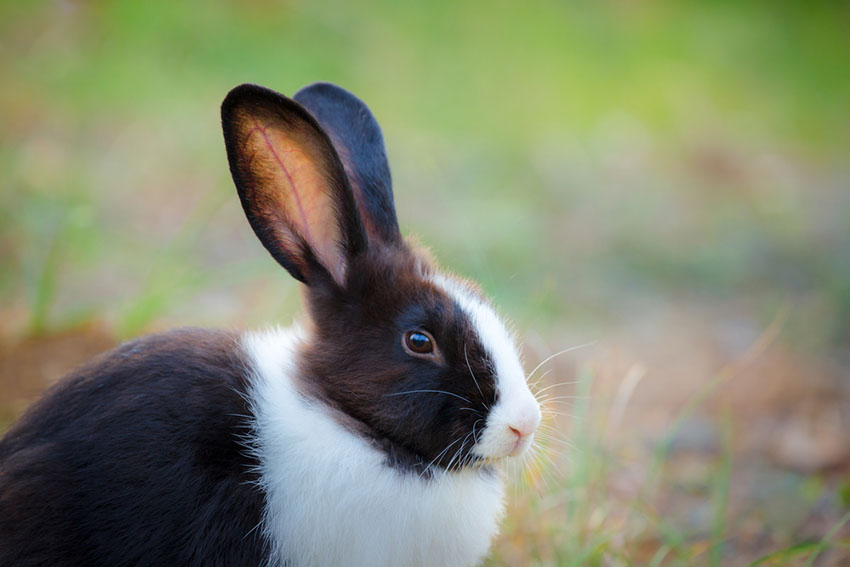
(358, 140)
(291, 183)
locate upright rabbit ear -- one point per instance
(358, 141)
(292, 184)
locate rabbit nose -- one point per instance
(526, 421)
(523, 429)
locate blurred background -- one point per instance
(660, 188)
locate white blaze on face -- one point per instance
(512, 421)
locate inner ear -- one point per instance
(291, 183)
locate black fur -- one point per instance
(359, 142)
(360, 329)
(136, 459)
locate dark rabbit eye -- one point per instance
(418, 342)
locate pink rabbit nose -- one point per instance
(526, 425)
(520, 433)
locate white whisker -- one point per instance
(559, 353)
(440, 454)
(428, 392)
(549, 387)
(540, 378)
(471, 373)
(556, 398)
(548, 411)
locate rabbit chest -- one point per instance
(331, 498)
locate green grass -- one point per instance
(582, 136)
(569, 515)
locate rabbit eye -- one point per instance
(418, 342)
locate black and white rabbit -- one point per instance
(368, 434)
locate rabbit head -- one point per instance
(414, 357)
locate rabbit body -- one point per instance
(209, 455)
(368, 434)
(136, 459)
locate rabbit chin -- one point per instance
(499, 447)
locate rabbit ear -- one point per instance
(357, 138)
(291, 183)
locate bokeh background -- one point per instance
(661, 187)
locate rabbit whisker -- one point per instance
(533, 385)
(458, 453)
(428, 392)
(440, 454)
(555, 413)
(471, 409)
(556, 398)
(471, 373)
(559, 353)
(474, 438)
(550, 386)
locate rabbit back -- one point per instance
(137, 459)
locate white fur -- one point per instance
(331, 499)
(517, 408)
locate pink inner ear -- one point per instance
(287, 172)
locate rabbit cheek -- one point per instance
(510, 426)
(513, 419)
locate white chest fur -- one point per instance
(330, 498)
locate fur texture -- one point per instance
(333, 499)
(334, 443)
(136, 459)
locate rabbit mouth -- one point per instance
(520, 447)
(512, 446)
(508, 448)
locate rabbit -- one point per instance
(368, 433)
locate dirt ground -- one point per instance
(702, 422)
